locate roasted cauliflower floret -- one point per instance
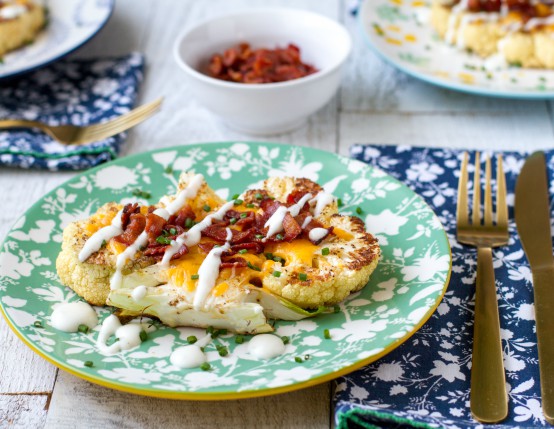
(26, 20)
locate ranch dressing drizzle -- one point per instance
(318, 234)
(275, 222)
(12, 11)
(266, 346)
(94, 243)
(68, 316)
(535, 22)
(322, 200)
(190, 356)
(193, 235)
(128, 335)
(208, 272)
(306, 222)
(142, 240)
(450, 35)
(138, 293)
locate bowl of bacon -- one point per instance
(267, 71)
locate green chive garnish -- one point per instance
(163, 240)
(326, 334)
(207, 208)
(325, 251)
(339, 202)
(205, 366)
(222, 350)
(279, 236)
(173, 231)
(89, 364)
(250, 206)
(306, 357)
(103, 243)
(359, 210)
(223, 331)
(235, 196)
(194, 277)
(285, 340)
(233, 220)
(243, 215)
(243, 251)
(298, 359)
(239, 339)
(168, 169)
(37, 324)
(253, 267)
(188, 222)
(82, 328)
(259, 236)
(210, 330)
(302, 276)
(141, 194)
(279, 259)
(191, 339)
(276, 273)
(143, 336)
(336, 309)
(269, 256)
(259, 196)
(238, 202)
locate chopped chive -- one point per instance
(306, 357)
(194, 277)
(259, 236)
(233, 220)
(250, 206)
(359, 210)
(205, 366)
(143, 336)
(243, 215)
(103, 243)
(83, 328)
(163, 240)
(38, 324)
(238, 202)
(326, 334)
(216, 333)
(279, 259)
(259, 196)
(235, 197)
(165, 233)
(222, 350)
(239, 339)
(336, 309)
(243, 251)
(210, 330)
(279, 236)
(88, 363)
(173, 231)
(325, 251)
(253, 267)
(298, 359)
(207, 208)
(188, 222)
(168, 169)
(302, 277)
(285, 340)
(339, 202)
(269, 256)
(276, 273)
(142, 194)
(223, 331)
(191, 339)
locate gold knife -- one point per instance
(532, 214)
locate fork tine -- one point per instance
(476, 211)
(462, 207)
(488, 193)
(501, 206)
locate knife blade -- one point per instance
(532, 215)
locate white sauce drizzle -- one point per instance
(535, 22)
(193, 235)
(322, 200)
(275, 222)
(128, 335)
(12, 11)
(187, 356)
(67, 317)
(306, 222)
(450, 35)
(138, 293)
(266, 346)
(94, 243)
(318, 234)
(208, 273)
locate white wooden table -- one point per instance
(376, 104)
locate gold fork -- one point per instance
(77, 135)
(488, 397)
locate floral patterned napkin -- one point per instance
(425, 382)
(77, 92)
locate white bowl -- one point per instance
(271, 107)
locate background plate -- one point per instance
(403, 292)
(70, 25)
(400, 32)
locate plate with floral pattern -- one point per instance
(403, 292)
(400, 32)
(69, 26)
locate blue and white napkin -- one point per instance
(425, 382)
(76, 92)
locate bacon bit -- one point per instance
(314, 223)
(217, 232)
(157, 252)
(206, 247)
(154, 227)
(256, 247)
(181, 216)
(270, 206)
(128, 210)
(233, 263)
(242, 64)
(133, 230)
(291, 227)
(295, 196)
(243, 236)
(248, 221)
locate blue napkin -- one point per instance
(425, 382)
(76, 92)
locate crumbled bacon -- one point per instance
(295, 196)
(133, 229)
(180, 218)
(255, 247)
(154, 227)
(128, 210)
(157, 252)
(217, 232)
(314, 223)
(291, 227)
(233, 263)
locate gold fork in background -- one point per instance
(77, 135)
(488, 397)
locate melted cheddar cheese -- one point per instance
(295, 253)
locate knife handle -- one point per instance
(543, 286)
(488, 397)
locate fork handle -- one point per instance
(20, 123)
(488, 397)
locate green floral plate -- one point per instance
(400, 31)
(402, 294)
